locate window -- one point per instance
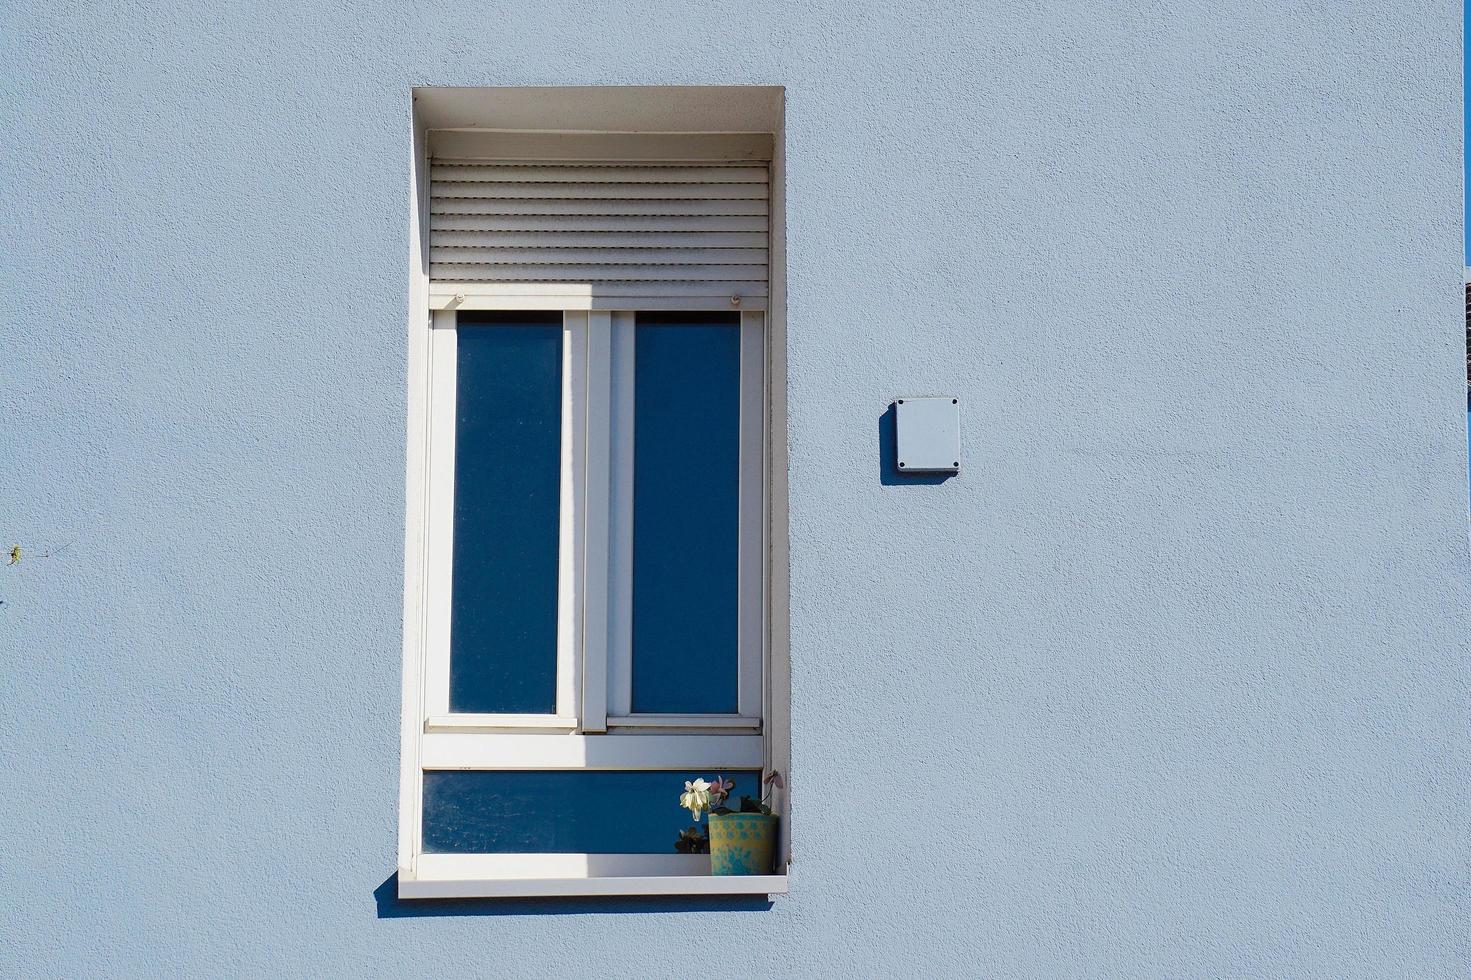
(587, 604)
(596, 523)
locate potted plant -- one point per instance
(739, 842)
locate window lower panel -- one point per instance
(562, 812)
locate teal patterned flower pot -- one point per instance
(742, 843)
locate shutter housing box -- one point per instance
(604, 225)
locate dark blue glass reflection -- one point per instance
(685, 512)
(561, 812)
(508, 432)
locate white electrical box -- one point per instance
(927, 434)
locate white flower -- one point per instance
(696, 797)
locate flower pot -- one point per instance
(742, 843)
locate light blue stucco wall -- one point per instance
(1169, 682)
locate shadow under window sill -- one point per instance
(391, 906)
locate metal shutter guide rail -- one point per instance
(597, 234)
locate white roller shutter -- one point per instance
(602, 229)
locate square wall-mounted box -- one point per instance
(927, 434)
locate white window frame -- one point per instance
(443, 389)
(751, 574)
(593, 726)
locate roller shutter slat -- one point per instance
(450, 189)
(518, 272)
(525, 205)
(617, 287)
(602, 222)
(597, 174)
(600, 256)
(599, 239)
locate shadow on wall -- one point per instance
(889, 473)
(390, 906)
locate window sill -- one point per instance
(409, 888)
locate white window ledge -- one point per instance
(570, 887)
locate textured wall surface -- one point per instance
(1170, 681)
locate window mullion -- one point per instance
(599, 484)
(620, 513)
(572, 534)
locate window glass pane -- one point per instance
(508, 436)
(563, 812)
(686, 473)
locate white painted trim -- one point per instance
(778, 692)
(598, 477)
(468, 722)
(752, 739)
(447, 291)
(733, 722)
(751, 503)
(602, 108)
(570, 296)
(411, 888)
(549, 750)
(450, 867)
(439, 573)
(570, 540)
(441, 512)
(620, 550)
(751, 571)
(416, 481)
